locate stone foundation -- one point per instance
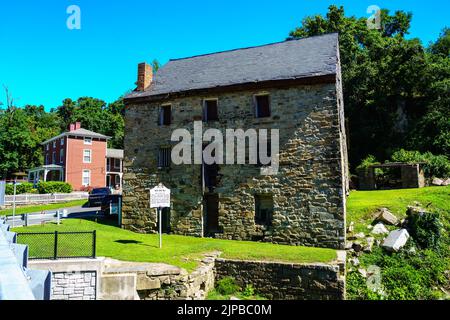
(285, 281)
(108, 279)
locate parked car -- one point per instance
(110, 204)
(97, 196)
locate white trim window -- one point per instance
(61, 156)
(54, 144)
(86, 178)
(54, 157)
(87, 156)
(88, 141)
(116, 163)
(47, 159)
(62, 141)
(48, 146)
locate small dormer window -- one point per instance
(87, 140)
(262, 106)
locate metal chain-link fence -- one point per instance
(59, 245)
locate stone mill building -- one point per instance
(294, 86)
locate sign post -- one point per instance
(2, 193)
(159, 199)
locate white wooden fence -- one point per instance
(23, 199)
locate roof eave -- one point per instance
(304, 80)
(65, 134)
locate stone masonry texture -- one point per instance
(308, 191)
(74, 286)
(285, 281)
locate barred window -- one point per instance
(164, 157)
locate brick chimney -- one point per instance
(74, 126)
(145, 76)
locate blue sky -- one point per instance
(43, 62)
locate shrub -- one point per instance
(425, 228)
(227, 286)
(54, 187)
(367, 162)
(404, 276)
(435, 165)
(357, 288)
(249, 291)
(20, 188)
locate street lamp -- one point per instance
(16, 175)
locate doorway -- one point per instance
(211, 208)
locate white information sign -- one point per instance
(160, 197)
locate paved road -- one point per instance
(49, 215)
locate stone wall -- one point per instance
(308, 191)
(74, 286)
(156, 281)
(285, 281)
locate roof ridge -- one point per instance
(251, 47)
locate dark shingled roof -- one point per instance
(294, 59)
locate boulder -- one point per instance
(362, 272)
(369, 245)
(351, 227)
(357, 246)
(437, 182)
(354, 261)
(446, 182)
(360, 235)
(396, 240)
(387, 217)
(379, 229)
(348, 245)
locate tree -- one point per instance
(385, 81)
(95, 115)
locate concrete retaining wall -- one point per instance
(74, 279)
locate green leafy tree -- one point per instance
(392, 86)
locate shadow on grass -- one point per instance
(128, 241)
(135, 242)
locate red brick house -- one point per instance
(80, 157)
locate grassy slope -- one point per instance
(180, 250)
(43, 207)
(361, 204)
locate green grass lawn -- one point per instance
(181, 251)
(362, 204)
(42, 207)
